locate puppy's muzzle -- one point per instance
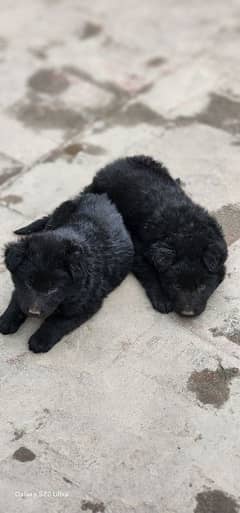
(34, 311)
(187, 313)
(190, 312)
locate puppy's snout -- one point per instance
(191, 310)
(34, 311)
(187, 313)
(189, 305)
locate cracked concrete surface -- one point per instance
(135, 412)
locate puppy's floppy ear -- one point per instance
(60, 216)
(215, 255)
(36, 226)
(14, 254)
(75, 259)
(161, 256)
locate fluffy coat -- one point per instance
(180, 250)
(64, 267)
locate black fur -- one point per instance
(65, 267)
(180, 249)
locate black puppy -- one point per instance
(180, 249)
(80, 253)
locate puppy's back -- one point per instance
(129, 172)
(136, 185)
(109, 224)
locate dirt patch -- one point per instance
(39, 113)
(136, 113)
(229, 218)
(155, 62)
(215, 501)
(95, 507)
(9, 173)
(24, 454)
(35, 113)
(90, 29)
(221, 112)
(72, 149)
(11, 199)
(90, 149)
(3, 43)
(212, 387)
(69, 152)
(49, 81)
(67, 480)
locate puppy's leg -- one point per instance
(57, 326)
(12, 318)
(149, 279)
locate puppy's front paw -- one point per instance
(162, 305)
(8, 326)
(38, 345)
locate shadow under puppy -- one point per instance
(179, 248)
(63, 272)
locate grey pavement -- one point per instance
(135, 412)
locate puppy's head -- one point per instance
(42, 267)
(190, 262)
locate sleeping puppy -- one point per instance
(65, 266)
(180, 249)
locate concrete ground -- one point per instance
(135, 412)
